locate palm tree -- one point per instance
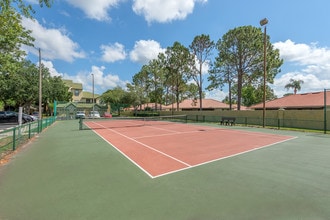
(294, 84)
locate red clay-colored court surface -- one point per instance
(166, 148)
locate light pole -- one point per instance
(40, 87)
(263, 22)
(93, 91)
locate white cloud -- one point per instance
(310, 83)
(302, 53)
(145, 50)
(114, 52)
(216, 94)
(205, 65)
(54, 43)
(164, 10)
(311, 63)
(95, 9)
(102, 81)
(51, 68)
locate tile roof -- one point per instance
(72, 84)
(187, 104)
(207, 104)
(89, 95)
(305, 100)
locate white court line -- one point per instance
(174, 132)
(145, 145)
(222, 158)
(188, 165)
(171, 134)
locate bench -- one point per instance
(227, 120)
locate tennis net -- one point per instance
(122, 122)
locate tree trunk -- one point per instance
(200, 87)
(239, 89)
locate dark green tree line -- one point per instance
(19, 77)
(201, 48)
(240, 51)
(238, 64)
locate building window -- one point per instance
(76, 92)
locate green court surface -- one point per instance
(67, 173)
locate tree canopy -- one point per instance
(294, 84)
(23, 7)
(201, 48)
(117, 98)
(240, 61)
(173, 76)
(19, 78)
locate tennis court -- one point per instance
(67, 173)
(162, 146)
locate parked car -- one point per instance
(27, 118)
(107, 115)
(94, 114)
(35, 115)
(8, 117)
(12, 117)
(80, 114)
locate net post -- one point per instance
(80, 123)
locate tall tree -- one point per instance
(201, 48)
(118, 97)
(178, 63)
(295, 85)
(241, 50)
(192, 92)
(22, 87)
(157, 80)
(219, 75)
(141, 86)
(22, 6)
(12, 36)
(252, 95)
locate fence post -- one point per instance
(80, 123)
(325, 111)
(29, 130)
(14, 139)
(38, 126)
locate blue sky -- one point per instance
(112, 39)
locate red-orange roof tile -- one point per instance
(305, 100)
(206, 103)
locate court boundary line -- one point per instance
(122, 153)
(160, 135)
(188, 165)
(226, 157)
(145, 145)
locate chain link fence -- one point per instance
(13, 138)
